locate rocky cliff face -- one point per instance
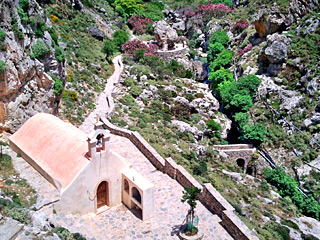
(25, 88)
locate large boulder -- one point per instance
(274, 54)
(164, 33)
(200, 69)
(96, 33)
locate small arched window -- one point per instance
(136, 194)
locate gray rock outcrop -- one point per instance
(96, 33)
(164, 33)
(270, 20)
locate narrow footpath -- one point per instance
(104, 103)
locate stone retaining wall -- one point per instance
(173, 54)
(233, 147)
(209, 196)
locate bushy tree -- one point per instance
(255, 132)
(128, 8)
(228, 3)
(190, 195)
(250, 84)
(220, 37)
(120, 37)
(227, 89)
(40, 49)
(2, 35)
(241, 119)
(151, 10)
(108, 47)
(241, 102)
(213, 50)
(220, 76)
(223, 59)
(214, 126)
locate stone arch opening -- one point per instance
(251, 171)
(241, 163)
(103, 194)
(136, 194)
(126, 186)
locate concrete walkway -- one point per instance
(104, 103)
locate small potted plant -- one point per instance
(190, 230)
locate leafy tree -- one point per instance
(40, 49)
(219, 76)
(227, 89)
(213, 50)
(190, 195)
(220, 37)
(241, 119)
(241, 102)
(138, 54)
(128, 8)
(249, 83)
(120, 37)
(151, 10)
(108, 47)
(222, 60)
(256, 133)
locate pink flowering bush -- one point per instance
(182, 111)
(131, 47)
(209, 10)
(240, 26)
(246, 49)
(140, 25)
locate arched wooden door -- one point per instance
(102, 194)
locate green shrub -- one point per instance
(256, 133)
(214, 126)
(54, 35)
(241, 119)
(219, 76)
(17, 31)
(40, 49)
(2, 35)
(40, 28)
(291, 224)
(120, 37)
(128, 82)
(152, 10)
(108, 47)
(24, 4)
(228, 3)
(213, 50)
(59, 54)
(57, 87)
(135, 91)
(223, 59)
(128, 8)
(17, 213)
(241, 102)
(2, 66)
(138, 54)
(68, 95)
(63, 233)
(220, 37)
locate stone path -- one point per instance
(104, 103)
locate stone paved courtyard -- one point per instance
(120, 223)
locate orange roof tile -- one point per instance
(58, 147)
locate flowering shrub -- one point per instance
(54, 18)
(209, 11)
(246, 49)
(140, 25)
(131, 47)
(181, 111)
(240, 26)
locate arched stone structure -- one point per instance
(235, 152)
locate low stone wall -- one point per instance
(173, 53)
(233, 147)
(209, 196)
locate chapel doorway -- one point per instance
(103, 194)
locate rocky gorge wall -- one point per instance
(25, 88)
(209, 196)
